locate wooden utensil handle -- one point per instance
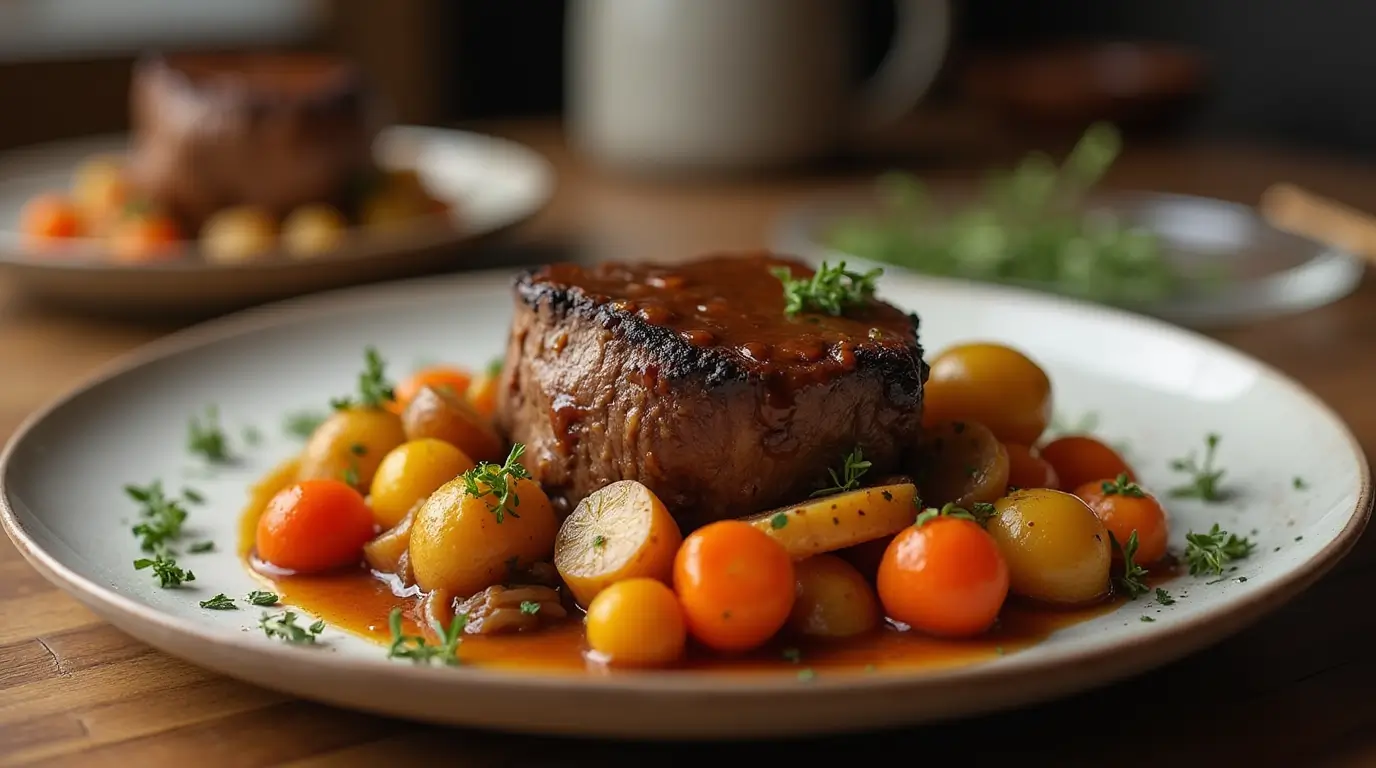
(1295, 210)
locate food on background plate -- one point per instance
(1027, 227)
(245, 154)
(857, 564)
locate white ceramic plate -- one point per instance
(1159, 388)
(489, 183)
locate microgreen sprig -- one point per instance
(1208, 553)
(165, 569)
(1133, 580)
(374, 390)
(205, 437)
(830, 290)
(283, 626)
(1204, 483)
(497, 484)
(415, 648)
(853, 467)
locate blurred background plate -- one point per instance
(1237, 267)
(490, 184)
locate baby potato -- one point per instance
(835, 522)
(620, 532)
(961, 463)
(637, 623)
(993, 384)
(239, 234)
(459, 543)
(1057, 549)
(443, 415)
(312, 230)
(410, 473)
(350, 444)
(833, 599)
(387, 552)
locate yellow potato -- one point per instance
(961, 463)
(1057, 549)
(312, 230)
(637, 623)
(240, 234)
(839, 521)
(622, 531)
(350, 444)
(458, 544)
(447, 416)
(410, 473)
(387, 552)
(833, 599)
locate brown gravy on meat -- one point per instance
(735, 305)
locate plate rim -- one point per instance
(428, 232)
(1147, 650)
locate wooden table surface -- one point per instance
(1297, 689)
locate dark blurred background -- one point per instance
(1281, 71)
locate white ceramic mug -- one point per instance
(735, 84)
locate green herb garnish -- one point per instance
(497, 484)
(192, 495)
(1121, 486)
(1030, 226)
(494, 366)
(374, 390)
(982, 511)
(1209, 553)
(261, 598)
(165, 570)
(220, 602)
(1133, 580)
(830, 290)
(207, 438)
(1146, 619)
(530, 607)
(415, 648)
(950, 510)
(1163, 597)
(201, 547)
(853, 468)
(302, 424)
(162, 518)
(283, 627)
(1299, 483)
(778, 520)
(1204, 483)
(599, 541)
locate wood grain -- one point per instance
(1294, 690)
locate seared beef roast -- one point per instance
(693, 380)
(275, 130)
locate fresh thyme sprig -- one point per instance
(830, 289)
(220, 602)
(374, 390)
(205, 437)
(1133, 580)
(162, 517)
(853, 467)
(262, 599)
(415, 648)
(165, 569)
(283, 627)
(497, 484)
(1204, 483)
(1208, 553)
